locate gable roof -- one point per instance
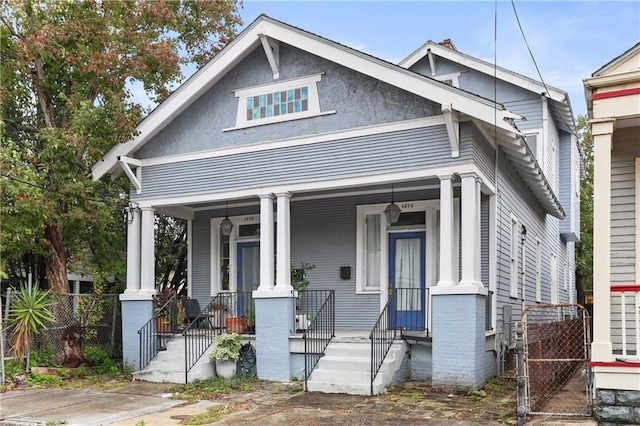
(562, 110)
(249, 39)
(616, 62)
(468, 104)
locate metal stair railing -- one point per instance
(321, 328)
(155, 334)
(211, 322)
(382, 336)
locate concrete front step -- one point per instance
(346, 368)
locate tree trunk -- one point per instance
(57, 262)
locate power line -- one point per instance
(66, 194)
(515, 12)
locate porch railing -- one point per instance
(230, 312)
(155, 334)
(321, 328)
(382, 336)
(625, 320)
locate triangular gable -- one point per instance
(627, 61)
(562, 110)
(264, 30)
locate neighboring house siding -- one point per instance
(360, 156)
(623, 201)
(569, 185)
(357, 99)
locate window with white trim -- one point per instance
(277, 102)
(534, 141)
(514, 257)
(450, 79)
(538, 270)
(554, 278)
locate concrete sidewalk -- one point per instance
(123, 406)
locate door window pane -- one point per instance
(407, 273)
(372, 268)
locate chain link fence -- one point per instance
(96, 318)
(556, 340)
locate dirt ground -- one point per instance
(409, 403)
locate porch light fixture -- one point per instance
(392, 212)
(226, 226)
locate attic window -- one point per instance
(450, 79)
(277, 102)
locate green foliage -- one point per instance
(299, 280)
(44, 356)
(584, 249)
(38, 380)
(227, 347)
(66, 73)
(210, 388)
(13, 367)
(212, 415)
(100, 360)
(56, 422)
(30, 312)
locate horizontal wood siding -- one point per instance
(484, 155)
(394, 151)
(514, 197)
(569, 185)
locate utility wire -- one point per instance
(67, 194)
(515, 12)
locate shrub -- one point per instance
(227, 347)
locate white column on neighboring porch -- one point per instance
(267, 249)
(283, 263)
(470, 230)
(602, 132)
(147, 251)
(133, 251)
(447, 255)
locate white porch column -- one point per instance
(133, 251)
(602, 144)
(447, 245)
(147, 252)
(470, 230)
(283, 262)
(267, 250)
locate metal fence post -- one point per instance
(521, 394)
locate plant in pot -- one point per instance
(299, 282)
(165, 312)
(226, 353)
(250, 320)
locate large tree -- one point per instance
(67, 73)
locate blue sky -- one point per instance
(569, 39)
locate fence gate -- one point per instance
(556, 345)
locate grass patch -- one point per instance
(212, 415)
(210, 388)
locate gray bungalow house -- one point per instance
(425, 206)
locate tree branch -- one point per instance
(11, 29)
(19, 126)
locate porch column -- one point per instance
(147, 252)
(133, 251)
(470, 230)
(284, 242)
(602, 132)
(267, 250)
(447, 256)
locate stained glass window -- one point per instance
(278, 103)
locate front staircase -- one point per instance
(346, 367)
(168, 365)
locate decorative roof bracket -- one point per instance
(272, 50)
(135, 178)
(452, 120)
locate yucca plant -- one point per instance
(29, 314)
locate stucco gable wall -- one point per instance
(357, 99)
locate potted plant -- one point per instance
(218, 315)
(164, 323)
(226, 353)
(299, 282)
(250, 320)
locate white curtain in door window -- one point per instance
(407, 274)
(250, 268)
(372, 270)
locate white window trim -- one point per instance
(538, 270)
(637, 217)
(313, 109)
(554, 278)
(540, 145)
(429, 207)
(566, 276)
(452, 76)
(513, 256)
(215, 281)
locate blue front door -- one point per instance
(248, 277)
(407, 280)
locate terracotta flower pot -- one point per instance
(236, 325)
